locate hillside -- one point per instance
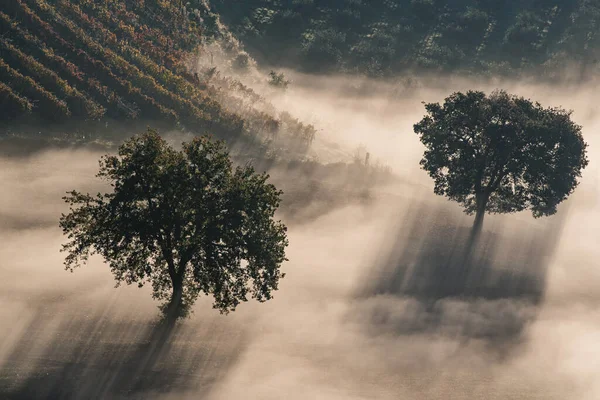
(86, 64)
(111, 66)
(387, 37)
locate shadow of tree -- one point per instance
(423, 282)
(100, 357)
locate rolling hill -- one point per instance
(89, 66)
(86, 63)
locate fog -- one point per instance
(374, 304)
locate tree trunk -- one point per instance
(478, 223)
(175, 304)
(482, 200)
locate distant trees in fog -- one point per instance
(278, 80)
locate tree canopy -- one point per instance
(501, 153)
(385, 37)
(185, 221)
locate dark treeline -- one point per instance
(384, 37)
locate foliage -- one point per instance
(78, 103)
(501, 153)
(116, 107)
(278, 80)
(185, 221)
(144, 87)
(134, 60)
(49, 105)
(259, 115)
(385, 37)
(120, 78)
(11, 104)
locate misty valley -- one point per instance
(299, 200)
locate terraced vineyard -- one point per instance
(88, 60)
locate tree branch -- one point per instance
(480, 170)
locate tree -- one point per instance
(501, 153)
(185, 221)
(278, 80)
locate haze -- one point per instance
(349, 320)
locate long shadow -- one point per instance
(104, 358)
(423, 283)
